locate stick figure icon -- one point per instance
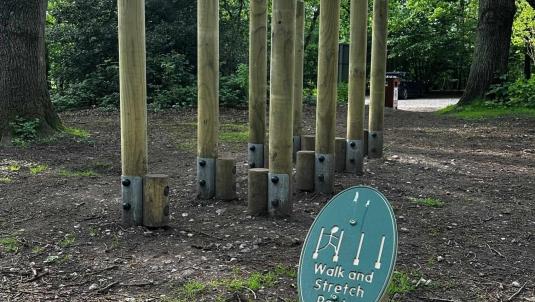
(334, 241)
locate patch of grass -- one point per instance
(38, 169)
(234, 133)
(79, 133)
(187, 145)
(5, 180)
(38, 249)
(14, 168)
(10, 244)
(67, 241)
(428, 202)
(400, 284)
(479, 110)
(79, 173)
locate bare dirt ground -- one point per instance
(61, 238)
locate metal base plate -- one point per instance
(255, 155)
(324, 173)
(279, 195)
(355, 156)
(375, 144)
(205, 178)
(132, 198)
(296, 146)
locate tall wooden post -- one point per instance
(133, 91)
(378, 77)
(281, 108)
(298, 75)
(208, 95)
(257, 82)
(357, 86)
(326, 107)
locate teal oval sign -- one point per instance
(350, 250)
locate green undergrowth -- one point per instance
(234, 133)
(401, 284)
(428, 202)
(485, 110)
(77, 173)
(38, 169)
(10, 244)
(239, 282)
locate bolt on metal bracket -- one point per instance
(279, 198)
(324, 173)
(355, 156)
(375, 144)
(132, 200)
(255, 155)
(205, 178)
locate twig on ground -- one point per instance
(517, 292)
(107, 287)
(37, 276)
(252, 291)
(495, 251)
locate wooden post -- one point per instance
(257, 82)
(281, 108)
(340, 144)
(378, 77)
(156, 204)
(298, 75)
(133, 95)
(326, 107)
(208, 95)
(304, 177)
(257, 192)
(357, 87)
(225, 180)
(308, 142)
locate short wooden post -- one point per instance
(366, 136)
(340, 154)
(133, 95)
(304, 177)
(281, 108)
(208, 95)
(327, 87)
(298, 76)
(257, 195)
(257, 82)
(357, 86)
(225, 181)
(308, 142)
(378, 77)
(156, 202)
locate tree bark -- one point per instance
(23, 83)
(491, 55)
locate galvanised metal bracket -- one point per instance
(132, 200)
(324, 173)
(205, 178)
(279, 198)
(255, 155)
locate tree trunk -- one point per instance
(493, 42)
(23, 84)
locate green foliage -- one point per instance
(79, 133)
(14, 168)
(67, 241)
(428, 202)
(520, 93)
(24, 130)
(400, 284)
(38, 169)
(486, 110)
(234, 133)
(233, 88)
(10, 244)
(5, 180)
(343, 92)
(79, 173)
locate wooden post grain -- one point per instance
(308, 142)
(225, 181)
(257, 192)
(304, 177)
(281, 107)
(327, 87)
(378, 77)
(257, 82)
(133, 103)
(298, 75)
(156, 203)
(357, 86)
(208, 94)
